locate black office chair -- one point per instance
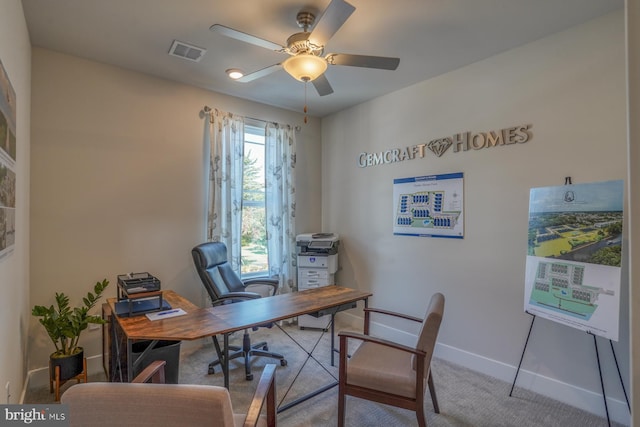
(225, 287)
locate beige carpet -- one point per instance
(466, 398)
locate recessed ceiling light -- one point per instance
(234, 73)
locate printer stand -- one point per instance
(309, 278)
(317, 265)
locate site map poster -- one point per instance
(430, 206)
(574, 256)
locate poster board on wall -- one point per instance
(8, 151)
(574, 256)
(429, 206)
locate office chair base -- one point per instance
(259, 349)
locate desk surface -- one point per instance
(206, 322)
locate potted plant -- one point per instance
(64, 325)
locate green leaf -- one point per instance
(63, 323)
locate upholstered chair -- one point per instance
(143, 404)
(382, 371)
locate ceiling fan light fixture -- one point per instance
(305, 67)
(234, 73)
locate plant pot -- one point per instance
(70, 366)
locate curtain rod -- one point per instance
(207, 110)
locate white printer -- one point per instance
(317, 265)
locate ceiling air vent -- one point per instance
(186, 51)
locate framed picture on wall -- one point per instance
(429, 206)
(8, 154)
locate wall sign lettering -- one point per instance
(460, 142)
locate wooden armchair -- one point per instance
(138, 404)
(386, 372)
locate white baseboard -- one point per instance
(563, 392)
(40, 377)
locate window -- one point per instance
(252, 198)
(254, 256)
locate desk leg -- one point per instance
(333, 334)
(225, 365)
(129, 360)
(115, 356)
(216, 344)
(223, 357)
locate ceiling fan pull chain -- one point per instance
(305, 101)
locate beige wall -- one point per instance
(15, 314)
(633, 81)
(571, 88)
(117, 180)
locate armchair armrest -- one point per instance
(380, 341)
(153, 372)
(266, 389)
(368, 311)
(393, 313)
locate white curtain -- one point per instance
(224, 216)
(280, 163)
(224, 213)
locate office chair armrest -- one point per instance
(263, 281)
(266, 389)
(369, 310)
(344, 335)
(153, 372)
(232, 297)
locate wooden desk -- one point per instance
(225, 319)
(124, 331)
(175, 328)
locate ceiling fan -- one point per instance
(307, 61)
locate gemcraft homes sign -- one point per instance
(461, 142)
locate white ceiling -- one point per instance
(430, 37)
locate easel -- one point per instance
(595, 343)
(567, 181)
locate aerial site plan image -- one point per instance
(574, 255)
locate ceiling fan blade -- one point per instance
(244, 37)
(322, 85)
(334, 16)
(380, 62)
(260, 73)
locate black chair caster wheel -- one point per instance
(283, 362)
(249, 377)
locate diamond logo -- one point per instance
(439, 146)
